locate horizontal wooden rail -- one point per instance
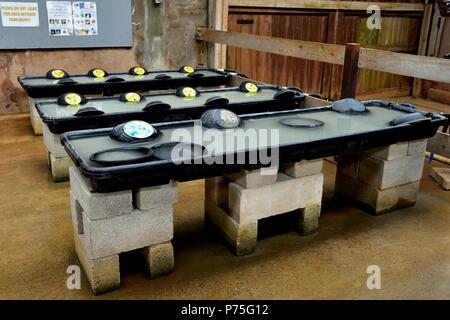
(422, 67)
(429, 68)
(317, 51)
(327, 5)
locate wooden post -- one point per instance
(350, 73)
(423, 43)
(218, 20)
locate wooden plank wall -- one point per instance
(439, 91)
(278, 69)
(273, 68)
(400, 33)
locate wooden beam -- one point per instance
(439, 95)
(394, 48)
(350, 73)
(423, 43)
(409, 65)
(323, 52)
(383, 93)
(327, 5)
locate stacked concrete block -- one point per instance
(303, 168)
(236, 202)
(106, 225)
(58, 159)
(36, 121)
(383, 179)
(440, 145)
(442, 176)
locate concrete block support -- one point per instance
(384, 179)
(36, 122)
(106, 225)
(391, 152)
(59, 168)
(216, 189)
(53, 143)
(255, 178)
(59, 160)
(235, 209)
(303, 168)
(286, 195)
(442, 176)
(103, 274)
(374, 200)
(417, 146)
(149, 198)
(241, 237)
(308, 222)
(385, 174)
(159, 259)
(128, 232)
(99, 206)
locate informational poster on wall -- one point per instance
(85, 18)
(19, 14)
(60, 21)
(66, 24)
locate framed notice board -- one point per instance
(43, 24)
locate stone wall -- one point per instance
(163, 37)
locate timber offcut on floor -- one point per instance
(410, 246)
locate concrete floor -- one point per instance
(410, 246)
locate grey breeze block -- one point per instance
(255, 178)
(36, 121)
(383, 179)
(287, 194)
(98, 206)
(303, 168)
(103, 274)
(52, 142)
(123, 233)
(374, 200)
(59, 168)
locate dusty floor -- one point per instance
(410, 246)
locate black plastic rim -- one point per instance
(67, 81)
(88, 111)
(299, 122)
(163, 76)
(114, 79)
(145, 155)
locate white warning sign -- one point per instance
(19, 14)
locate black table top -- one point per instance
(43, 86)
(110, 111)
(340, 133)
